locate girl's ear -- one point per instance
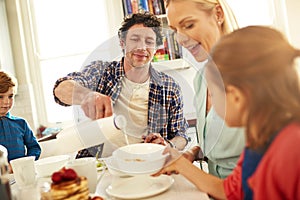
(237, 105)
(235, 97)
(219, 14)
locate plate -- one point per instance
(112, 165)
(139, 187)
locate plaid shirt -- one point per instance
(18, 138)
(165, 105)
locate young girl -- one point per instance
(15, 133)
(253, 69)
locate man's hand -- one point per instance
(154, 138)
(96, 105)
(177, 142)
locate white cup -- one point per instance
(24, 171)
(86, 167)
(31, 192)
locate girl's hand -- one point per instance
(170, 165)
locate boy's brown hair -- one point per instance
(7, 81)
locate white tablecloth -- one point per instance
(181, 189)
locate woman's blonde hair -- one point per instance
(230, 23)
(260, 62)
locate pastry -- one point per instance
(67, 185)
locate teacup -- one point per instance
(24, 171)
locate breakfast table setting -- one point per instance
(124, 175)
(129, 176)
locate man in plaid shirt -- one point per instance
(151, 101)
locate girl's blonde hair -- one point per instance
(230, 23)
(261, 63)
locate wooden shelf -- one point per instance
(171, 65)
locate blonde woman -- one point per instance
(199, 24)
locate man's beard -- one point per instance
(140, 65)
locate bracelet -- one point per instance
(172, 145)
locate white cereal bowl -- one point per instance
(47, 166)
(139, 159)
(113, 168)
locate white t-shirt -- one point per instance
(133, 104)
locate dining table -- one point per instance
(180, 188)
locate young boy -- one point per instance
(15, 133)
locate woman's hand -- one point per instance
(195, 153)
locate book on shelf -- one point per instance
(143, 5)
(178, 48)
(150, 5)
(127, 7)
(135, 6)
(156, 7)
(170, 49)
(162, 52)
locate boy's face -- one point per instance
(6, 101)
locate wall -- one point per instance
(6, 61)
(293, 14)
(29, 101)
(25, 105)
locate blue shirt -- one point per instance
(18, 138)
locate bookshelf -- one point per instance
(133, 6)
(170, 53)
(168, 65)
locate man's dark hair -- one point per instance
(145, 18)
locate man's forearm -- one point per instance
(71, 93)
